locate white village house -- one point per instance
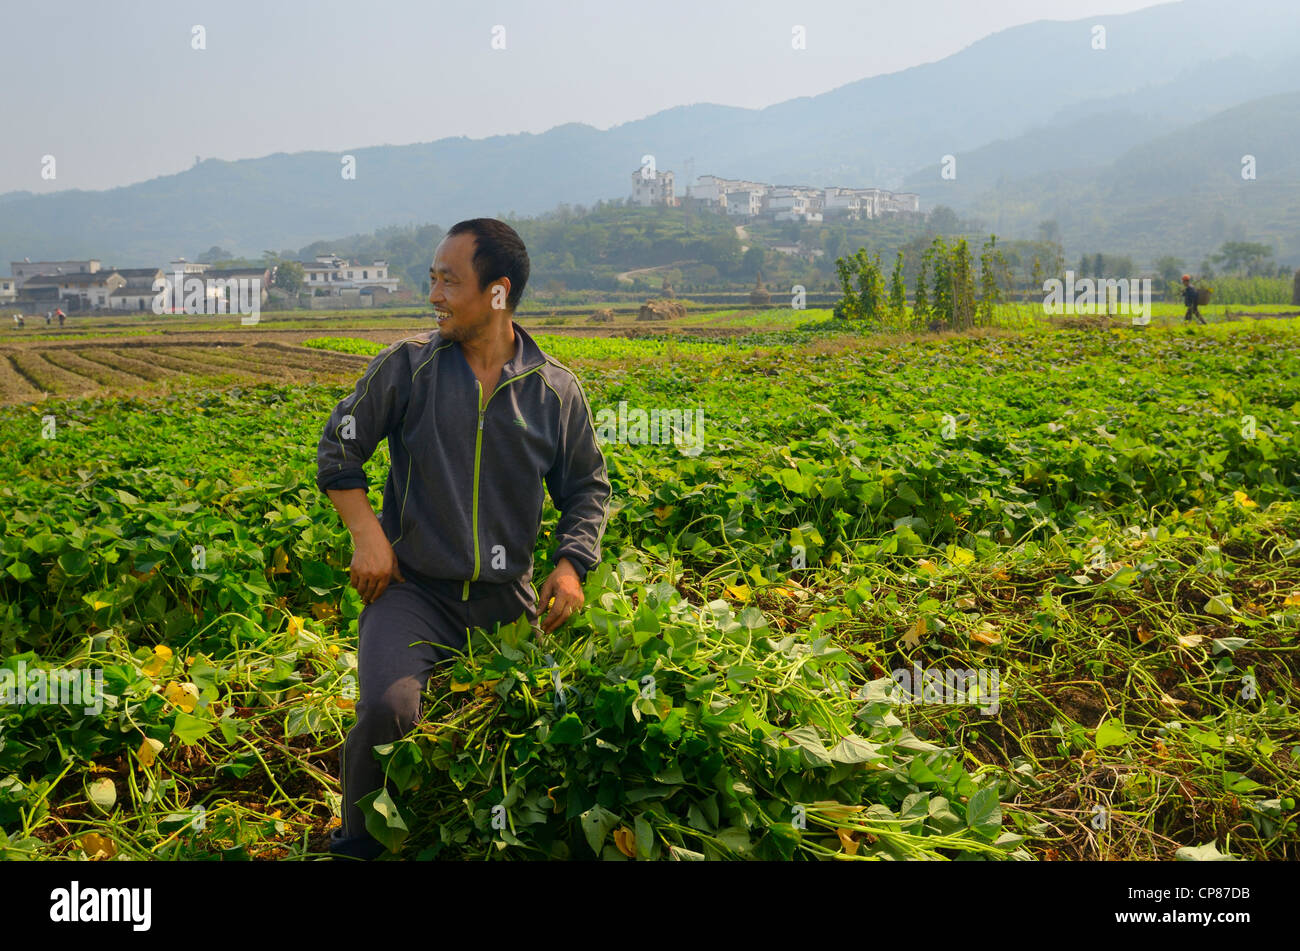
(333, 276)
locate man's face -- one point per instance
(463, 310)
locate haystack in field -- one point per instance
(603, 316)
(661, 310)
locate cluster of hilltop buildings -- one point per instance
(39, 286)
(745, 199)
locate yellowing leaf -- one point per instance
(344, 704)
(148, 751)
(625, 841)
(1244, 500)
(1220, 605)
(280, 562)
(965, 603)
(1190, 640)
(986, 634)
(97, 846)
(295, 625)
(458, 687)
(185, 696)
(1169, 701)
(927, 566)
(913, 637)
(154, 665)
(663, 511)
(1143, 634)
(962, 556)
(846, 839)
(1292, 600)
(739, 591)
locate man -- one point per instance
(1190, 298)
(477, 418)
(59, 314)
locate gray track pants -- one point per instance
(392, 668)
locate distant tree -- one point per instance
(1099, 265)
(1120, 266)
(944, 220)
(990, 292)
(1084, 267)
(1250, 258)
(289, 276)
(963, 287)
(1049, 231)
(214, 254)
(898, 293)
(941, 300)
(871, 286)
(1036, 277)
(921, 299)
(835, 241)
(1169, 269)
(866, 300)
(754, 260)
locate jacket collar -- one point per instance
(528, 355)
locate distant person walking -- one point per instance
(1191, 296)
(48, 317)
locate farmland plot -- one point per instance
(1099, 527)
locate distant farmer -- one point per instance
(478, 418)
(48, 317)
(1190, 298)
(59, 314)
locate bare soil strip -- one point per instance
(104, 376)
(14, 387)
(50, 378)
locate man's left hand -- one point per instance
(561, 596)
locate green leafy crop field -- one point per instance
(1002, 596)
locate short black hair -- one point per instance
(498, 252)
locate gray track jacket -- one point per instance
(463, 500)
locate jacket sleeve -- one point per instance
(579, 485)
(353, 431)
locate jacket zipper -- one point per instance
(478, 453)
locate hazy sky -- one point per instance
(117, 93)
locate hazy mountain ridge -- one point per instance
(981, 103)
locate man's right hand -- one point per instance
(374, 565)
(373, 562)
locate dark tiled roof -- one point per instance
(76, 279)
(229, 272)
